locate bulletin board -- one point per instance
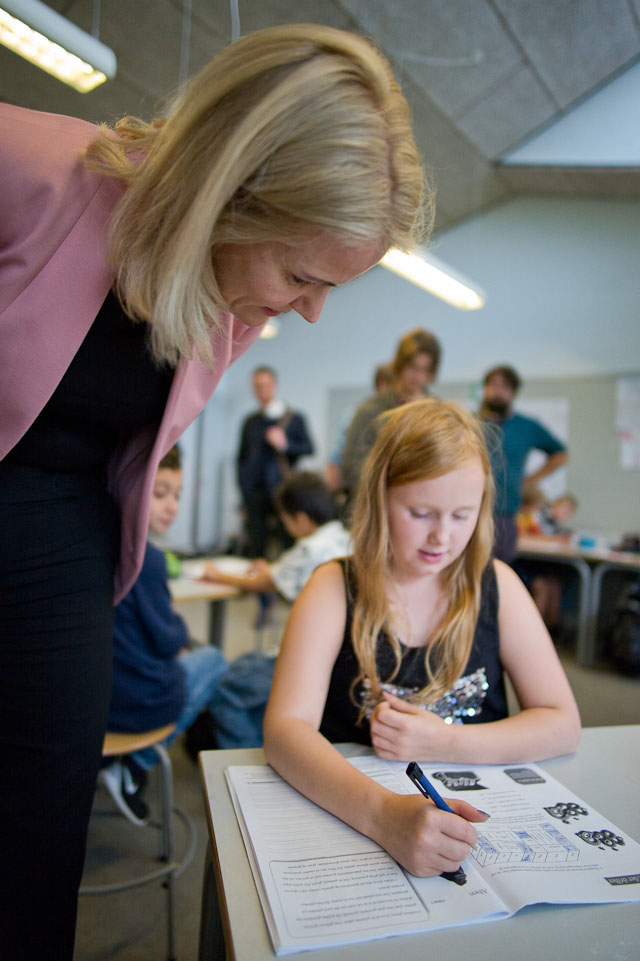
(628, 421)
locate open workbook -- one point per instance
(323, 884)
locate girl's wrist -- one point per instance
(380, 815)
(452, 739)
(444, 747)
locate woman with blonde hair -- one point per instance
(136, 264)
(404, 645)
(413, 370)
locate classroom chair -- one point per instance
(117, 744)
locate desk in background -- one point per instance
(605, 772)
(563, 552)
(591, 565)
(608, 561)
(188, 589)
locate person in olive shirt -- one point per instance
(413, 369)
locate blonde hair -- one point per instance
(288, 132)
(418, 441)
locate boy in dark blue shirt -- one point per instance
(157, 680)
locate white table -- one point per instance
(233, 928)
(189, 588)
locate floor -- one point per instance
(131, 926)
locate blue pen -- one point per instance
(417, 777)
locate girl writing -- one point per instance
(403, 646)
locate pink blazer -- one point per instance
(53, 280)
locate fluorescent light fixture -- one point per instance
(271, 329)
(39, 34)
(436, 277)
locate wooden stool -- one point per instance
(116, 744)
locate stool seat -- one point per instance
(119, 742)
(116, 744)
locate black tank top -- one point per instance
(478, 696)
(111, 388)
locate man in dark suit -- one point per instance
(272, 441)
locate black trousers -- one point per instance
(58, 545)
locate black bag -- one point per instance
(625, 630)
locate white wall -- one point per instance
(563, 293)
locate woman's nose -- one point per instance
(309, 305)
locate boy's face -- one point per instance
(297, 525)
(562, 509)
(165, 499)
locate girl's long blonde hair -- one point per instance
(288, 132)
(418, 441)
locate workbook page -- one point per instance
(321, 883)
(542, 843)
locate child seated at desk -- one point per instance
(555, 515)
(547, 581)
(157, 680)
(528, 517)
(403, 645)
(309, 513)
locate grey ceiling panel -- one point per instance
(507, 113)
(480, 75)
(574, 44)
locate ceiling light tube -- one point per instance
(39, 34)
(270, 329)
(436, 277)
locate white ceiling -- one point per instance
(481, 76)
(603, 130)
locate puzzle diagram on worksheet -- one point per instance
(539, 844)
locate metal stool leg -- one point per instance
(171, 869)
(166, 840)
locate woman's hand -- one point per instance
(401, 731)
(424, 840)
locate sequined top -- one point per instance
(478, 696)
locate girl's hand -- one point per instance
(424, 840)
(401, 731)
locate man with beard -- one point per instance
(510, 439)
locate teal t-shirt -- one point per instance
(510, 442)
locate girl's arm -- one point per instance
(423, 839)
(257, 579)
(547, 725)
